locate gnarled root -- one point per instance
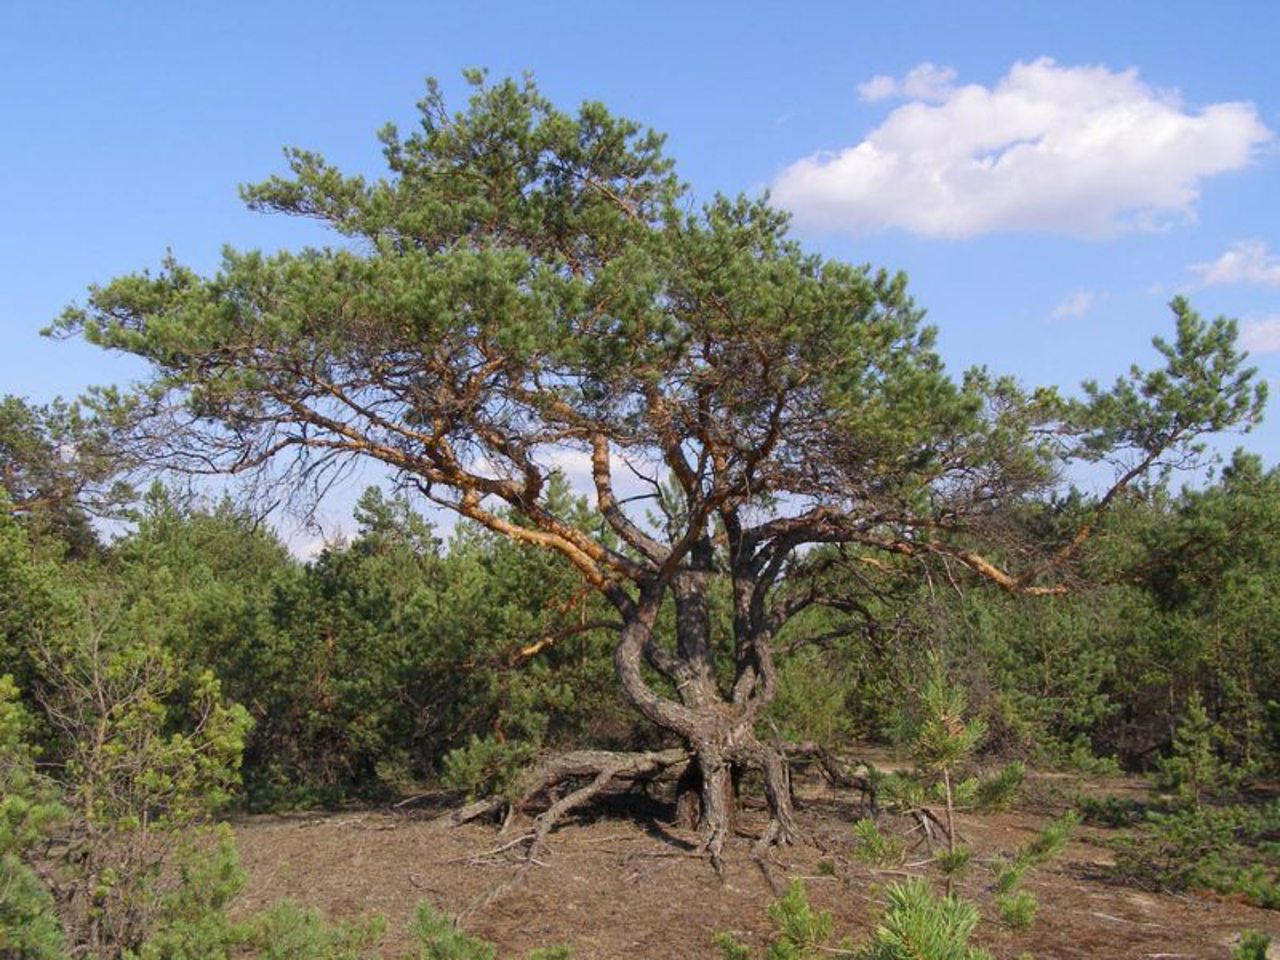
(834, 770)
(605, 769)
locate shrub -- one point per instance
(29, 925)
(487, 766)
(1017, 910)
(921, 926)
(1110, 811)
(1000, 790)
(1253, 946)
(1223, 849)
(802, 932)
(1036, 852)
(875, 847)
(192, 923)
(1193, 769)
(290, 932)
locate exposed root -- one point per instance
(834, 769)
(489, 807)
(711, 844)
(542, 826)
(590, 773)
(782, 828)
(606, 770)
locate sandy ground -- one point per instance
(621, 882)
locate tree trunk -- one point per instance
(719, 733)
(689, 805)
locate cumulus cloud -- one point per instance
(1248, 261)
(1085, 151)
(925, 82)
(1262, 336)
(1076, 305)
(880, 87)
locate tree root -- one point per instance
(605, 769)
(590, 773)
(834, 769)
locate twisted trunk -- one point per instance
(719, 732)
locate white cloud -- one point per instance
(1248, 261)
(928, 82)
(1261, 336)
(879, 87)
(1076, 305)
(924, 82)
(1077, 150)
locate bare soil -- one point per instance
(620, 881)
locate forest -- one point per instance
(730, 555)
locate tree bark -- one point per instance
(719, 733)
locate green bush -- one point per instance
(291, 932)
(1000, 790)
(29, 923)
(1253, 946)
(486, 766)
(1017, 910)
(1226, 849)
(1036, 852)
(918, 925)
(802, 934)
(192, 922)
(1194, 769)
(1110, 811)
(875, 847)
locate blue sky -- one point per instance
(1047, 176)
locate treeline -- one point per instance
(387, 660)
(399, 657)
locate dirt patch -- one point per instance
(620, 882)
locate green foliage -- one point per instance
(192, 921)
(195, 926)
(1078, 755)
(1194, 769)
(730, 949)
(28, 800)
(917, 925)
(875, 847)
(59, 467)
(288, 931)
(486, 766)
(368, 667)
(999, 791)
(1036, 852)
(900, 791)
(812, 702)
(438, 938)
(802, 932)
(1253, 946)
(1227, 849)
(953, 862)
(801, 929)
(939, 734)
(145, 752)
(29, 924)
(1110, 811)
(1018, 910)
